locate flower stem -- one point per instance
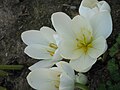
(81, 86)
(11, 67)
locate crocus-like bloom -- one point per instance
(41, 45)
(61, 77)
(83, 40)
(88, 8)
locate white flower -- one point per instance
(88, 8)
(83, 40)
(61, 77)
(41, 45)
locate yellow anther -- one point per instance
(52, 45)
(51, 52)
(85, 43)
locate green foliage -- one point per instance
(8, 67)
(114, 87)
(113, 70)
(11, 67)
(113, 81)
(101, 87)
(115, 48)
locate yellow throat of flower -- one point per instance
(84, 41)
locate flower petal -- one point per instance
(82, 64)
(80, 23)
(103, 5)
(37, 51)
(42, 79)
(101, 24)
(98, 47)
(87, 8)
(33, 37)
(66, 83)
(57, 39)
(42, 64)
(57, 56)
(48, 34)
(62, 24)
(66, 68)
(89, 3)
(68, 49)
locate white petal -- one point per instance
(33, 37)
(42, 79)
(89, 3)
(86, 12)
(106, 47)
(98, 47)
(102, 24)
(42, 64)
(80, 23)
(56, 69)
(83, 63)
(57, 39)
(66, 68)
(66, 83)
(57, 56)
(103, 5)
(68, 49)
(37, 51)
(62, 24)
(87, 8)
(48, 34)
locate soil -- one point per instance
(17, 16)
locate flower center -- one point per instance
(84, 41)
(52, 49)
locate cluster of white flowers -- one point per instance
(80, 40)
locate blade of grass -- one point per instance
(11, 67)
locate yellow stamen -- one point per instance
(52, 49)
(85, 43)
(52, 45)
(51, 52)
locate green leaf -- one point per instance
(114, 87)
(114, 70)
(112, 66)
